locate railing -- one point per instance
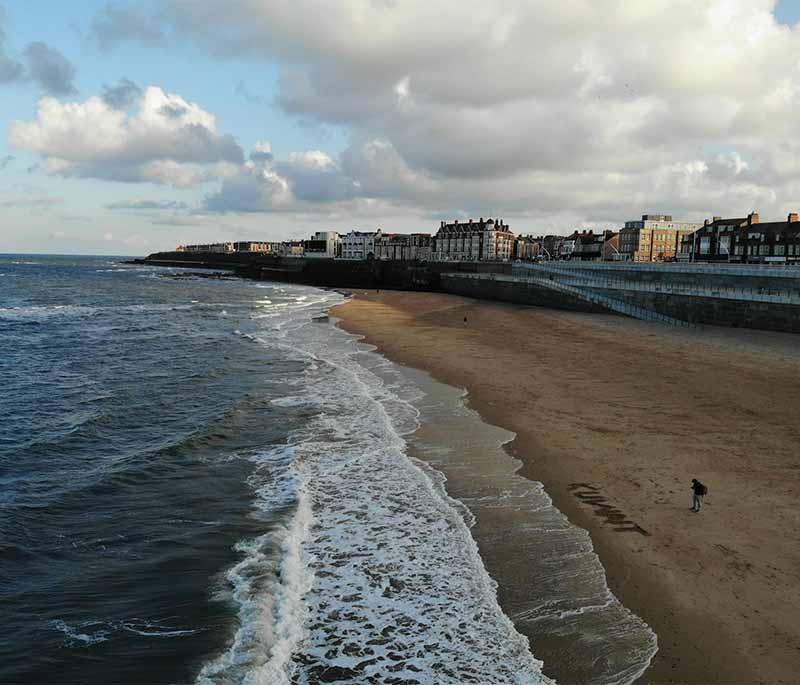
(772, 270)
(619, 306)
(582, 276)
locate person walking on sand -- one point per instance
(698, 491)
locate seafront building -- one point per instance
(214, 248)
(654, 238)
(744, 240)
(359, 244)
(482, 240)
(325, 244)
(404, 247)
(587, 246)
(526, 248)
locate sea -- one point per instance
(204, 480)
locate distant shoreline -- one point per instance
(607, 413)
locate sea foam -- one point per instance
(378, 575)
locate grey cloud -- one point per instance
(50, 69)
(5, 161)
(261, 157)
(10, 69)
(314, 184)
(122, 95)
(244, 192)
(32, 201)
(173, 111)
(148, 205)
(116, 24)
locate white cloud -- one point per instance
(529, 106)
(167, 141)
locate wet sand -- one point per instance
(615, 417)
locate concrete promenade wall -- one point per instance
(511, 291)
(716, 311)
(764, 297)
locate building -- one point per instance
(251, 246)
(216, 248)
(611, 251)
(406, 247)
(566, 247)
(359, 244)
(323, 244)
(526, 248)
(588, 246)
(656, 238)
(745, 240)
(482, 240)
(549, 246)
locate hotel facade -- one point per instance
(482, 240)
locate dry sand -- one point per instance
(634, 411)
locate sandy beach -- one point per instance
(615, 417)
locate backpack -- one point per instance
(704, 491)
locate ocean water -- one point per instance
(202, 480)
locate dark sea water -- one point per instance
(202, 480)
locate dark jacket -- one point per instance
(698, 488)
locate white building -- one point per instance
(359, 244)
(325, 244)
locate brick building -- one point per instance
(482, 240)
(656, 238)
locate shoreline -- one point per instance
(719, 589)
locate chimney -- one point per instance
(706, 222)
(752, 218)
(793, 218)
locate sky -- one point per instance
(132, 127)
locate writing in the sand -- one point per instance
(592, 496)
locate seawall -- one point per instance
(760, 297)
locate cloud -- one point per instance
(48, 67)
(5, 161)
(166, 141)
(32, 198)
(528, 106)
(10, 69)
(116, 24)
(265, 183)
(43, 64)
(148, 205)
(121, 96)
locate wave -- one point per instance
(88, 633)
(378, 573)
(269, 584)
